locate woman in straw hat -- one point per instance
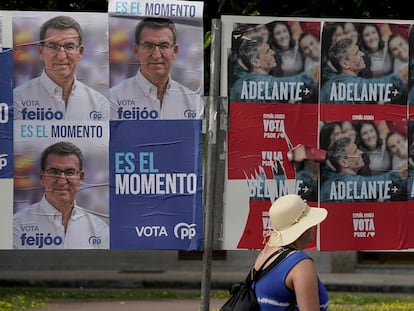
(295, 277)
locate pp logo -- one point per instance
(183, 231)
(3, 160)
(190, 114)
(95, 115)
(94, 240)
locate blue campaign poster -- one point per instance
(6, 114)
(156, 184)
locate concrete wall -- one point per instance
(149, 261)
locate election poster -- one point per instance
(149, 43)
(157, 108)
(156, 188)
(273, 85)
(6, 114)
(61, 130)
(363, 130)
(42, 152)
(6, 132)
(42, 59)
(411, 73)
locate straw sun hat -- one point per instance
(291, 217)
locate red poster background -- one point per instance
(387, 220)
(246, 135)
(252, 139)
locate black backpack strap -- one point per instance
(284, 251)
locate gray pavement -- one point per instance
(132, 305)
(398, 281)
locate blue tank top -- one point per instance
(271, 290)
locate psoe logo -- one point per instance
(184, 231)
(4, 113)
(3, 160)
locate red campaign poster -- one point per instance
(365, 226)
(411, 73)
(273, 86)
(364, 178)
(260, 137)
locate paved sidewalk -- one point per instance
(380, 282)
(132, 305)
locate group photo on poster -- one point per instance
(156, 67)
(366, 164)
(364, 63)
(272, 65)
(60, 66)
(277, 61)
(364, 175)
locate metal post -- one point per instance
(210, 174)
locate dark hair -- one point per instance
(328, 31)
(61, 23)
(249, 50)
(336, 152)
(62, 148)
(155, 23)
(273, 44)
(359, 139)
(325, 134)
(362, 45)
(339, 52)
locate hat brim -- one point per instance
(312, 218)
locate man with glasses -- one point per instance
(56, 222)
(152, 94)
(56, 94)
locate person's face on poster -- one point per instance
(348, 130)
(353, 159)
(338, 34)
(61, 53)
(369, 136)
(61, 179)
(399, 48)
(310, 47)
(155, 60)
(265, 59)
(281, 36)
(371, 38)
(355, 61)
(350, 31)
(336, 134)
(398, 145)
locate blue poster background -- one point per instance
(6, 114)
(156, 219)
